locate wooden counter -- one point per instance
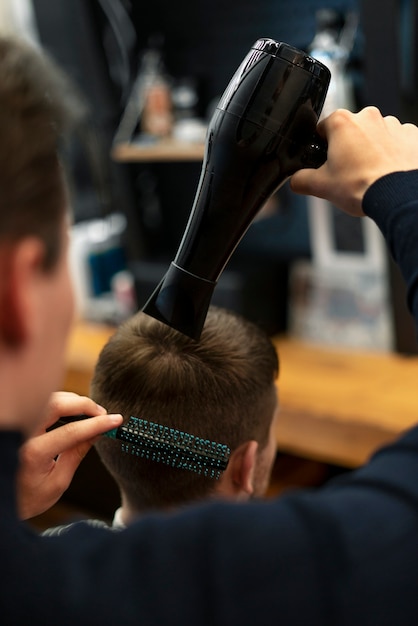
(337, 406)
(84, 346)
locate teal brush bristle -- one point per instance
(173, 447)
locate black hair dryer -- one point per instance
(263, 130)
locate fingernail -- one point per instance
(115, 418)
(101, 408)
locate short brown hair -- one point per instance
(35, 115)
(220, 388)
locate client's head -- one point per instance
(221, 388)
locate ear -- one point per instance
(237, 479)
(20, 266)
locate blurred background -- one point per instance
(150, 75)
(130, 212)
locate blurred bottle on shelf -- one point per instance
(155, 100)
(157, 114)
(148, 115)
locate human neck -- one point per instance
(126, 515)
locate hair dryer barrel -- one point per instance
(263, 130)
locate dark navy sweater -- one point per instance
(346, 554)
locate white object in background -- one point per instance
(191, 130)
(86, 239)
(342, 296)
(332, 46)
(17, 17)
(330, 309)
(79, 249)
(327, 253)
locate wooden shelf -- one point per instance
(168, 150)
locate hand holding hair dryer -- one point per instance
(263, 130)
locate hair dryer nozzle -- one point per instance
(181, 301)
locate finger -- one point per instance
(310, 181)
(338, 118)
(68, 403)
(391, 119)
(57, 441)
(392, 123)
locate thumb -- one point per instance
(310, 182)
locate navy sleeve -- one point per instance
(392, 202)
